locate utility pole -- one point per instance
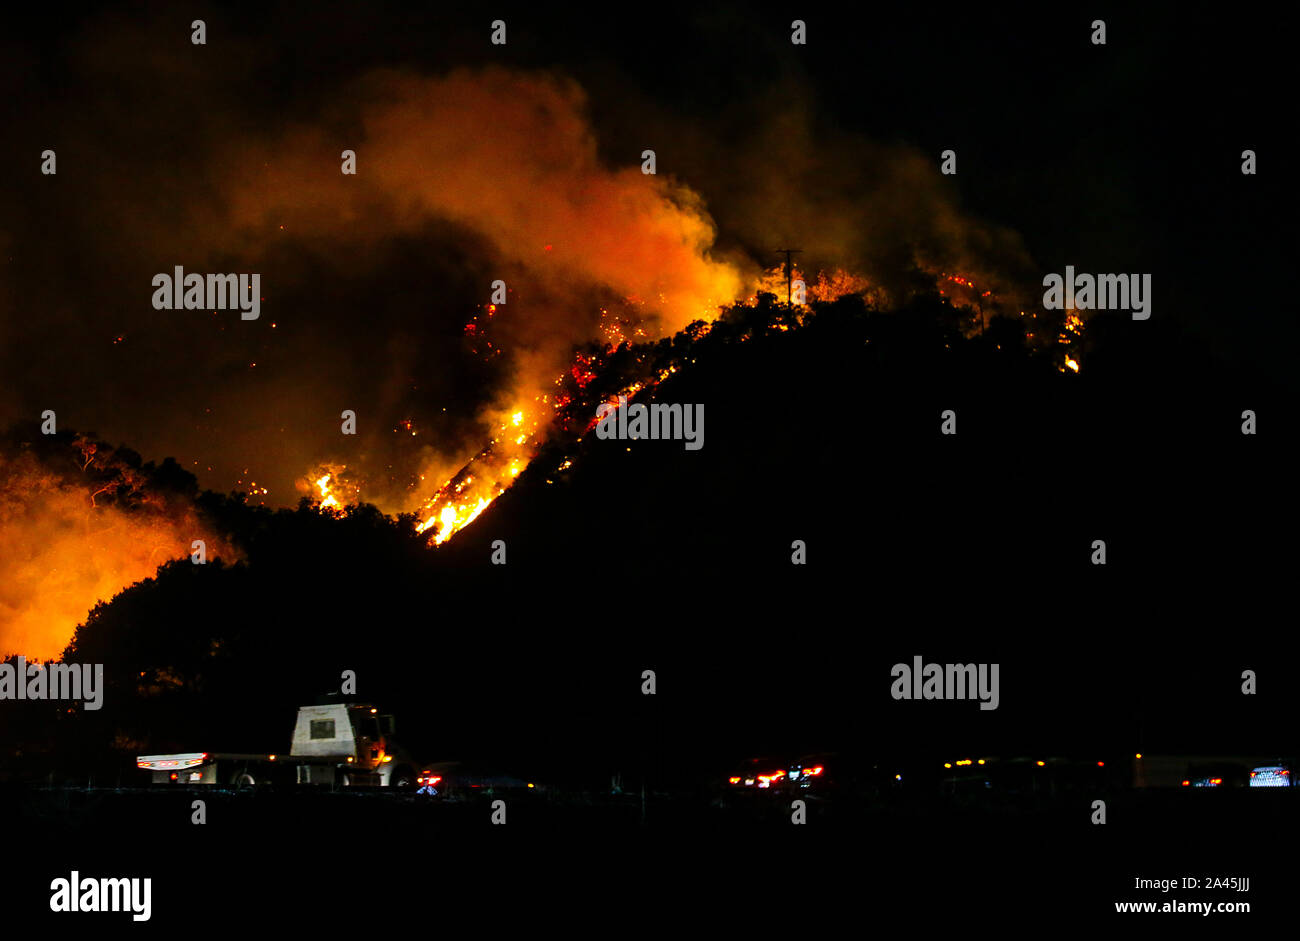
(789, 271)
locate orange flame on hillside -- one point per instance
(74, 534)
(519, 432)
(462, 499)
(521, 429)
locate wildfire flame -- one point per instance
(464, 497)
(520, 431)
(331, 488)
(327, 498)
(829, 286)
(521, 428)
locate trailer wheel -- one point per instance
(243, 780)
(402, 778)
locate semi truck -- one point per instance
(335, 744)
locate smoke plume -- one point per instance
(78, 525)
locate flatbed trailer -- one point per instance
(234, 769)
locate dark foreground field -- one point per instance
(408, 864)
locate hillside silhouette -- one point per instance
(646, 553)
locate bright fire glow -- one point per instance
(327, 499)
(521, 429)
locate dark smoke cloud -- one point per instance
(208, 158)
(777, 169)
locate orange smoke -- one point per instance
(64, 546)
(829, 286)
(512, 157)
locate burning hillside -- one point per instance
(464, 180)
(79, 522)
(627, 362)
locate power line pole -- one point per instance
(789, 271)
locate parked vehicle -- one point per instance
(337, 744)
